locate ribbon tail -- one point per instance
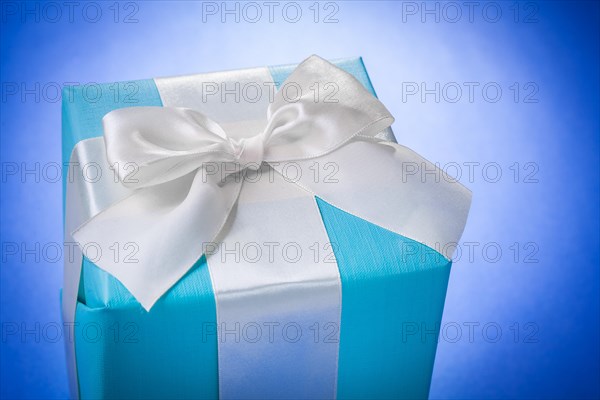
(135, 239)
(393, 187)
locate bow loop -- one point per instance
(148, 146)
(319, 108)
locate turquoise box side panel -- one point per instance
(170, 352)
(393, 294)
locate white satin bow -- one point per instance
(167, 157)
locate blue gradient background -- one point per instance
(559, 51)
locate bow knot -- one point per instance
(250, 152)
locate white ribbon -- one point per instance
(179, 202)
(169, 156)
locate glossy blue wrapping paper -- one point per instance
(392, 300)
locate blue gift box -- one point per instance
(392, 299)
